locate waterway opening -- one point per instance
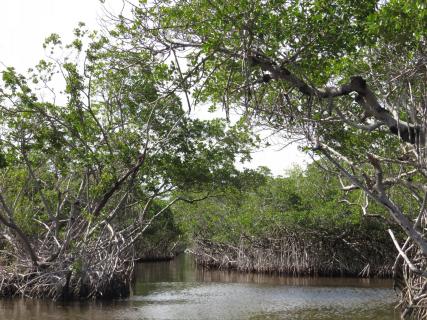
(178, 290)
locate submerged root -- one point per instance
(64, 285)
(412, 285)
(90, 268)
(293, 255)
(84, 277)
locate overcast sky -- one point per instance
(24, 24)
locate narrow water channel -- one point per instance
(178, 290)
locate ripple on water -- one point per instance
(254, 301)
(177, 291)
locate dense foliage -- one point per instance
(347, 76)
(87, 168)
(89, 163)
(305, 211)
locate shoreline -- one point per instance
(302, 258)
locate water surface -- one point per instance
(177, 290)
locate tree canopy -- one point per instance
(94, 163)
(349, 77)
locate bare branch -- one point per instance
(405, 257)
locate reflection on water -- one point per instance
(177, 290)
(183, 269)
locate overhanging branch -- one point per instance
(365, 97)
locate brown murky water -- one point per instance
(177, 290)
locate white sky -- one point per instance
(24, 24)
